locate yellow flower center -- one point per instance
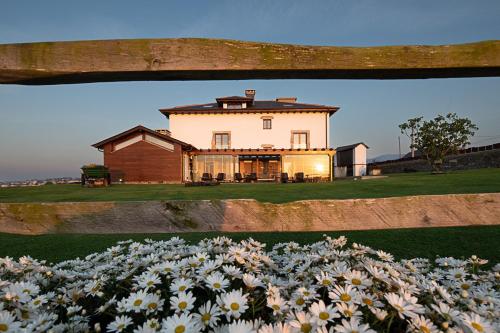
(305, 327)
(276, 307)
(458, 275)
(425, 329)
(150, 283)
(477, 326)
(326, 282)
(345, 297)
(201, 259)
(324, 315)
(206, 317)
(347, 313)
(137, 302)
(182, 288)
(217, 285)
(235, 306)
(356, 282)
(465, 286)
(180, 329)
(367, 301)
(300, 301)
(4, 327)
(306, 293)
(183, 305)
(37, 302)
(399, 308)
(121, 326)
(26, 291)
(152, 306)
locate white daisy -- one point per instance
(208, 315)
(322, 313)
(8, 322)
(183, 302)
(182, 323)
(233, 303)
(119, 324)
(353, 326)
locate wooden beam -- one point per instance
(217, 59)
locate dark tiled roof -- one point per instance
(354, 145)
(234, 98)
(256, 106)
(140, 128)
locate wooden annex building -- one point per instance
(142, 155)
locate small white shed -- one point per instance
(350, 161)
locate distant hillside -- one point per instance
(382, 158)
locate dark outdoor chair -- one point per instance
(238, 177)
(206, 177)
(299, 177)
(251, 177)
(221, 176)
(284, 177)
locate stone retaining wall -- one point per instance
(250, 215)
(483, 159)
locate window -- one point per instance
(300, 140)
(266, 123)
(214, 164)
(310, 165)
(221, 141)
(234, 106)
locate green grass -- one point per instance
(470, 181)
(403, 243)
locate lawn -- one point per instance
(403, 243)
(469, 181)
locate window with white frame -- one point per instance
(221, 140)
(300, 140)
(266, 123)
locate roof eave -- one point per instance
(167, 112)
(140, 128)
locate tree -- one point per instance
(438, 137)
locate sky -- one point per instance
(47, 131)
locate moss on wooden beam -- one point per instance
(217, 59)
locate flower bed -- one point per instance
(222, 286)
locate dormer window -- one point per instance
(235, 105)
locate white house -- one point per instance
(238, 137)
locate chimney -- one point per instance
(286, 99)
(250, 93)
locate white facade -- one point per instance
(246, 129)
(359, 161)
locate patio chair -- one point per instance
(221, 176)
(299, 177)
(284, 177)
(252, 177)
(237, 177)
(206, 177)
